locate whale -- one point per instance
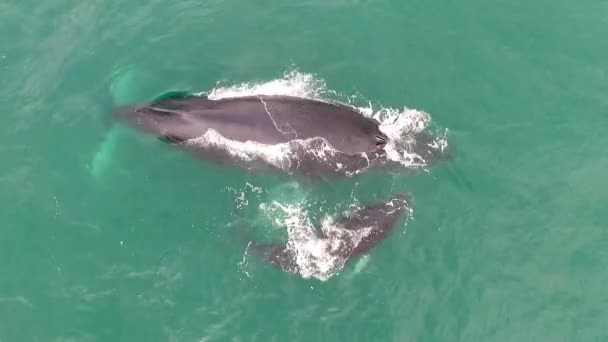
(283, 133)
(355, 234)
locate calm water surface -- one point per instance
(508, 241)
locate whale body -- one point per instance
(315, 137)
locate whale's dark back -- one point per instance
(262, 119)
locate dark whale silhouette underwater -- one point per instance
(289, 134)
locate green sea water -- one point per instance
(107, 235)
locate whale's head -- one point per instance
(381, 217)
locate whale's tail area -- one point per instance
(103, 157)
(123, 89)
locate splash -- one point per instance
(247, 152)
(402, 127)
(292, 83)
(287, 157)
(318, 240)
(319, 253)
(241, 199)
(287, 210)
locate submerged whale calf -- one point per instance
(352, 235)
(286, 133)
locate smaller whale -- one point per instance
(353, 235)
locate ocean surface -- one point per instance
(109, 235)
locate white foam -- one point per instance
(284, 156)
(320, 253)
(241, 199)
(250, 151)
(400, 128)
(292, 83)
(316, 257)
(399, 125)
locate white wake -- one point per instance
(316, 257)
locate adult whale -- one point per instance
(352, 235)
(285, 133)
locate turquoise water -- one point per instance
(110, 236)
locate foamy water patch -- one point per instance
(242, 195)
(293, 83)
(410, 139)
(317, 241)
(248, 152)
(286, 157)
(404, 129)
(319, 252)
